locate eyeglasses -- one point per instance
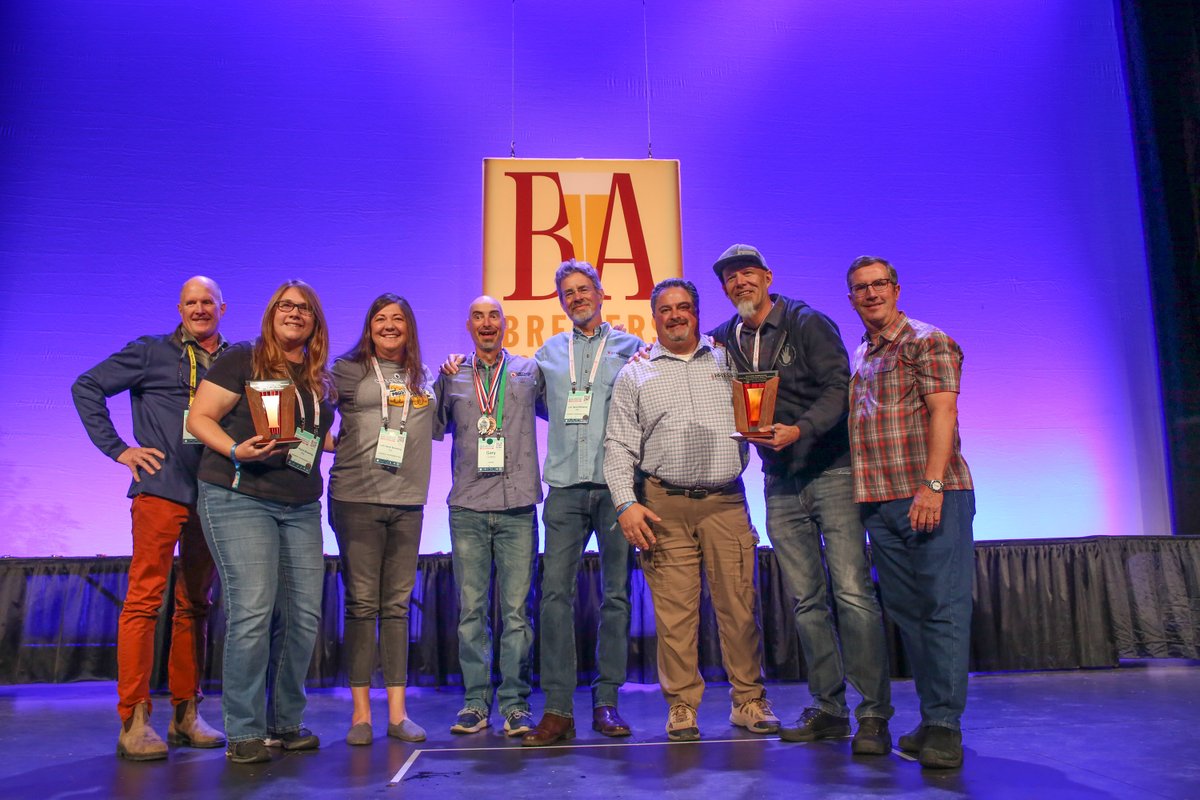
(861, 288)
(287, 307)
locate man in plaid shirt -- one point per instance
(916, 498)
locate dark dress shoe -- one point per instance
(607, 721)
(551, 730)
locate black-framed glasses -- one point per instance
(287, 307)
(861, 288)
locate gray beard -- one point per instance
(746, 309)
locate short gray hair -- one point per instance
(866, 261)
(583, 268)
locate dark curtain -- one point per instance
(1052, 604)
(1162, 67)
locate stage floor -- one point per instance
(1129, 732)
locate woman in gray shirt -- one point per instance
(377, 489)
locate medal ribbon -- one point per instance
(595, 364)
(384, 392)
(494, 395)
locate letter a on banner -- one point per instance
(621, 216)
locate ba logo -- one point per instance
(621, 216)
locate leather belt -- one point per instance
(696, 493)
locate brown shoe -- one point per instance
(138, 741)
(188, 728)
(607, 721)
(553, 729)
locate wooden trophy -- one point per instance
(754, 404)
(273, 407)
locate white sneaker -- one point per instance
(755, 716)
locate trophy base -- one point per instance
(752, 436)
(287, 441)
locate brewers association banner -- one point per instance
(622, 216)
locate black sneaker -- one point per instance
(816, 724)
(872, 737)
(942, 748)
(303, 739)
(248, 751)
(911, 742)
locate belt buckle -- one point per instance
(697, 494)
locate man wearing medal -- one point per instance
(161, 374)
(488, 407)
(675, 475)
(812, 518)
(578, 369)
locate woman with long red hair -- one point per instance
(260, 506)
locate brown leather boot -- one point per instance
(188, 728)
(138, 741)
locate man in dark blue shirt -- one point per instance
(161, 373)
(812, 519)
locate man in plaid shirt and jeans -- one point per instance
(916, 498)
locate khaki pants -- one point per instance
(715, 532)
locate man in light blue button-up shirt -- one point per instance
(578, 368)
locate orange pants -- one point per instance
(157, 525)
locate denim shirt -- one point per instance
(575, 453)
(156, 372)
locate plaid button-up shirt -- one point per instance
(889, 421)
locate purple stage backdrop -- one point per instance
(985, 148)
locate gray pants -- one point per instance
(378, 546)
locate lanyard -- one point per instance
(383, 397)
(491, 401)
(738, 335)
(595, 364)
(317, 410)
(191, 375)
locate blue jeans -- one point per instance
(569, 516)
(925, 581)
(799, 517)
(506, 540)
(272, 573)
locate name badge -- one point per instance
(389, 450)
(187, 437)
(302, 456)
(491, 454)
(579, 407)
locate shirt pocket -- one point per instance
(607, 374)
(522, 386)
(882, 380)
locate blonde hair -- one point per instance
(268, 359)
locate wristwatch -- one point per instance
(934, 486)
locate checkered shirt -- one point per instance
(889, 421)
(672, 418)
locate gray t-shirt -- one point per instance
(355, 477)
